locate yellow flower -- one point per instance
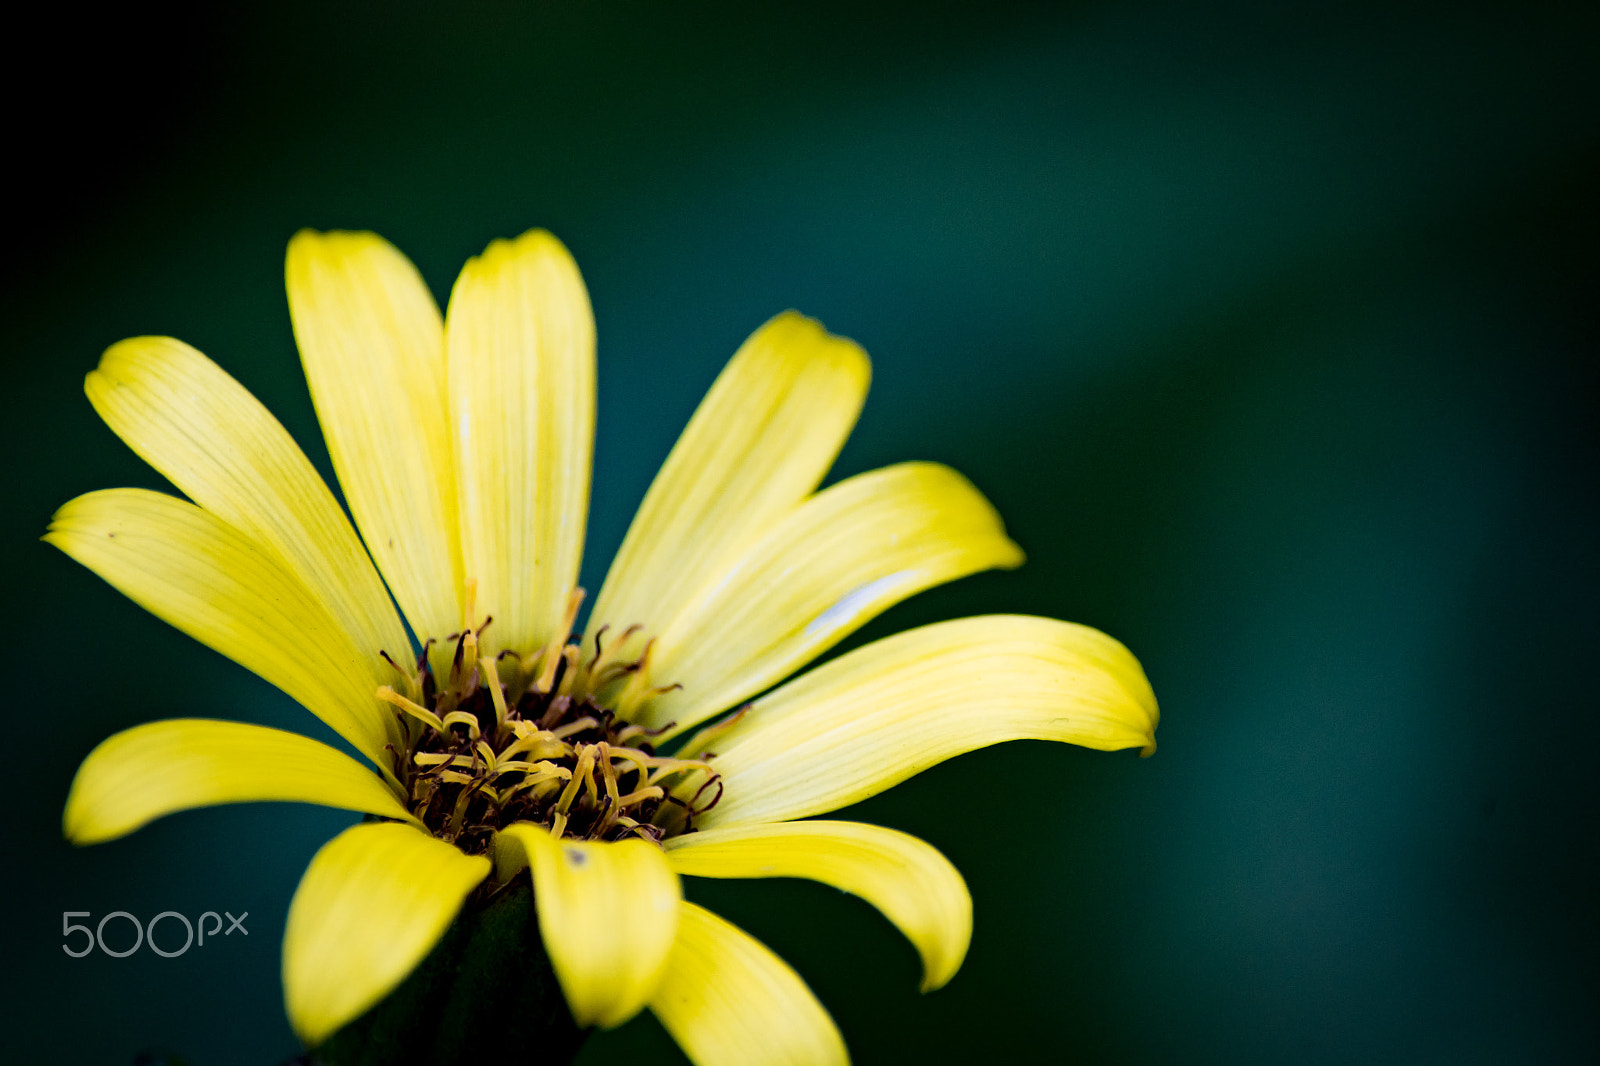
(510, 741)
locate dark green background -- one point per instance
(1272, 336)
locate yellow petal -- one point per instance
(372, 343)
(914, 886)
(729, 1001)
(371, 905)
(760, 442)
(608, 914)
(140, 774)
(827, 568)
(212, 439)
(193, 570)
(520, 342)
(868, 720)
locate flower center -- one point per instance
(510, 739)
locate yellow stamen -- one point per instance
(547, 675)
(415, 710)
(548, 774)
(462, 718)
(522, 766)
(423, 758)
(537, 745)
(553, 652)
(469, 659)
(608, 773)
(628, 732)
(586, 722)
(591, 782)
(667, 766)
(496, 693)
(580, 775)
(640, 761)
(652, 792)
(574, 601)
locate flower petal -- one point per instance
(138, 775)
(907, 879)
(372, 343)
(826, 569)
(187, 418)
(760, 442)
(729, 1001)
(520, 340)
(608, 914)
(870, 719)
(193, 570)
(371, 905)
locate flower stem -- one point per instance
(485, 995)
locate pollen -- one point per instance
(538, 739)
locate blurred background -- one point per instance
(1270, 332)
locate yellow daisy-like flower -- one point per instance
(509, 741)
